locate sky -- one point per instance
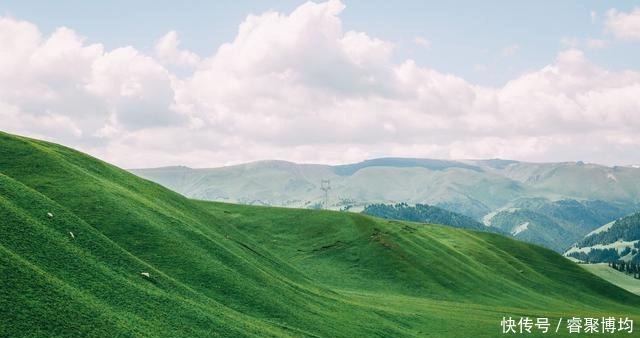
(203, 84)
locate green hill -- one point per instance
(76, 234)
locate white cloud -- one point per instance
(62, 82)
(624, 26)
(298, 87)
(168, 52)
(135, 88)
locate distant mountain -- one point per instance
(617, 240)
(555, 224)
(350, 169)
(557, 203)
(425, 214)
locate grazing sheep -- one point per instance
(146, 274)
(72, 236)
(50, 215)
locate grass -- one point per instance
(224, 270)
(614, 276)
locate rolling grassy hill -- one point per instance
(225, 270)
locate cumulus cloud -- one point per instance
(134, 87)
(624, 25)
(299, 87)
(77, 91)
(168, 52)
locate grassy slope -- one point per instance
(230, 270)
(618, 278)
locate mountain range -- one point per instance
(552, 204)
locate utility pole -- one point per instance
(325, 185)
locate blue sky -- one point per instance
(208, 83)
(456, 30)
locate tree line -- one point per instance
(626, 229)
(607, 255)
(630, 268)
(422, 213)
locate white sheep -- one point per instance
(146, 274)
(72, 236)
(50, 215)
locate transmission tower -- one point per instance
(325, 185)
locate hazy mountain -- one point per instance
(555, 224)
(617, 240)
(561, 201)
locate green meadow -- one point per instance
(76, 234)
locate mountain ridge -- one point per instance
(498, 163)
